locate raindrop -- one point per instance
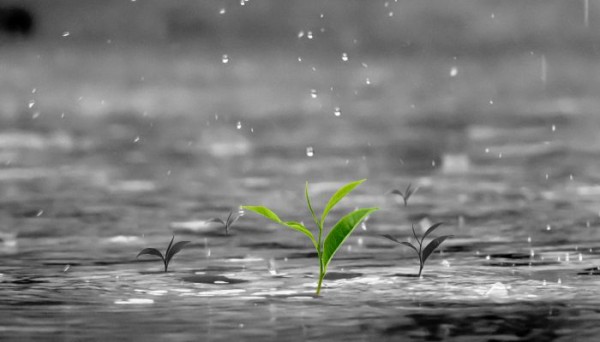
(66, 34)
(531, 253)
(487, 257)
(222, 11)
(559, 281)
(453, 71)
(136, 139)
(548, 227)
(344, 57)
(337, 111)
(208, 253)
(491, 102)
(310, 151)
(553, 128)
(238, 125)
(34, 90)
(300, 59)
(487, 150)
(242, 2)
(225, 59)
(62, 115)
(300, 35)
(313, 93)
(529, 239)
(360, 241)
(66, 268)
(309, 35)
(571, 177)
(272, 267)
(586, 13)
(544, 282)
(368, 81)
(386, 4)
(36, 115)
(363, 225)
(364, 65)
(580, 257)
(391, 14)
(499, 155)
(31, 104)
(543, 69)
(433, 163)
(567, 257)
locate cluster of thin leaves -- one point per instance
(227, 223)
(326, 248)
(172, 249)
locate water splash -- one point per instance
(310, 151)
(313, 93)
(453, 71)
(337, 111)
(225, 59)
(344, 57)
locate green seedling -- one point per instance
(423, 253)
(169, 253)
(326, 248)
(228, 223)
(406, 194)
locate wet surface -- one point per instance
(516, 183)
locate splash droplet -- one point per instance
(238, 125)
(313, 93)
(344, 57)
(337, 111)
(225, 59)
(66, 34)
(310, 151)
(300, 34)
(222, 11)
(309, 35)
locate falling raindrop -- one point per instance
(368, 81)
(300, 34)
(225, 59)
(548, 227)
(344, 57)
(337, 111)
(34, 90)
(363, 225)
(309, 35)
(222, 11)
(66, 34)
(453, 71)
(137, 139)
(553, 128)
(487, 150)
(493, 15)
(580, 257)
(529, 239)
(31, 104)
(390, 14)
(586, 13)
(544, 282)
(36, 115)
(310, 151)
(313, 93)
(300, 59)
(238, 125)
(543, 69)
(491, 102)
(364, 65)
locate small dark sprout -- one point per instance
(228, 223)
(406, 194)
(169, 253)
(423, 254)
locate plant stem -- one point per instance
(321, 276)
(420, 270)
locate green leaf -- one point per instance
(150, 251)
(433, 245)
(175, 249)
(431, 229)
(341, 193)
(299, 227)
(264, 211)
(312, 212)
(340, 232)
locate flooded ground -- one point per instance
(105, 153)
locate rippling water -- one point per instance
(516, 184)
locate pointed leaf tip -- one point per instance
(431, 229)
(338, 196)
(150, 251)
(388, 236)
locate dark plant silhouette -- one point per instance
(406, 194)
(228, 223)
(172, 249)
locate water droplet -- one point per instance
(300, 59)
(337, 111)
(242, 2)
(553, 128)
(309, 35)
(360, 241)
(364, 65)
(580, 257)
(225, 59)
(487, 150)
(491, 102)
(31, 104)
(487, 257)
(208, 253)
(543, 69)
(531, 253)
(363, 225)
(222, 11)
(36, 115)
(310, 151)
(66, 268)
(433, 163)
(453, 71)
(368, 81)
(66, 34)
(344, 57)
(559, 281)
(39, 213)
(136, 139)
(529, 239)
(386, 4)
(571, 177)
(544, 282)
(548, 227)
(238, 125)
(34, 90)
(300, 35)
(567, 257)
(313, 93)
(62, 115)
(390, 14)
(493, 16)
